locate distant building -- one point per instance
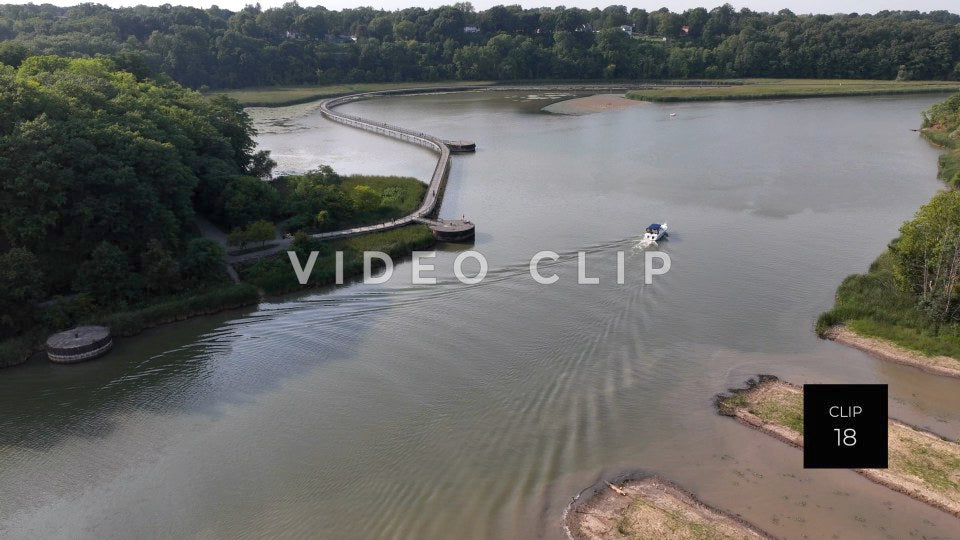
(627, 28)
(332, 38)
(470, 29)
(685, 30)
(293, 35)
(583, 28)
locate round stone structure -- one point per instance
(461, 147)
(453, 230)
(79, 344)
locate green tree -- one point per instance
(247, 199)
(160, 270)
(927, 255)
(261, 231)
(106, 276)
(239, 236)
(203, 261)
(21, 287)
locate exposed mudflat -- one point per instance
(591, 104)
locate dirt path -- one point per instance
(886, 350)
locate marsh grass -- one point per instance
(782, 408)
(280, 96)
(738, 89)
(128, 323)
(410, 194)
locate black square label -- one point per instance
(845, 426)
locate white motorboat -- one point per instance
(654, 232)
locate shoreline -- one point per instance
(902, 439)
(891, 352)
(649, 506)
(763, 89)
(128, 323)
(930, 353)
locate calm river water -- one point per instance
(452, 411)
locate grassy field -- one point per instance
(275, 274)
(278, 96)
(790, 88)
(921, 464)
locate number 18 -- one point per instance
(847, 438)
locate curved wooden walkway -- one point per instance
(438, 181)
(428, 209)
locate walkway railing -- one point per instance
(431, 201)
(428, 209)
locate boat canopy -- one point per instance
(654, 227)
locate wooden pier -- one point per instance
(428, 209)
(438, 181)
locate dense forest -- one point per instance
(218, 48)
(102, 175)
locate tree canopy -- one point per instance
(102, 173)
(313, 45)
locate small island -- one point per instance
(922, 464)
(651, 507)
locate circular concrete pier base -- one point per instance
(79, 344)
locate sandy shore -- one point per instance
(922, 465)
(881, 348)
(591, 104)
(651, 507)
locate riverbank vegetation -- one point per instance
(275, 274)
(909, 295)
(104, 173)
(921, 464)
(789, 88)
(295, 45)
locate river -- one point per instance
(454, 411)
